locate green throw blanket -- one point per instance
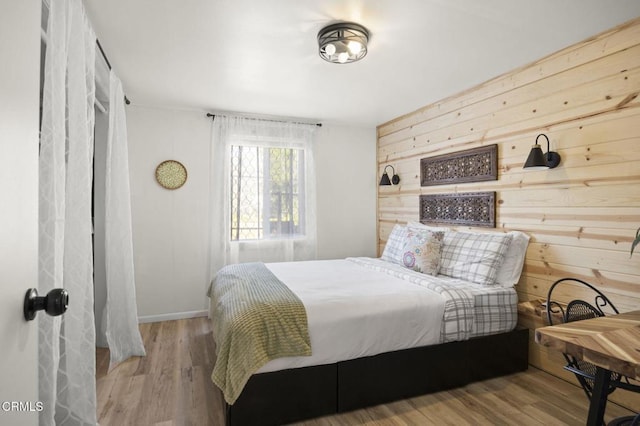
(256, 318)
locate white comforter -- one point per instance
(355, 311)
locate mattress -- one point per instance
(359, 307)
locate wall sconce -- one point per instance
(395, 179)
(537, 160)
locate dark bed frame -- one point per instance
(287, 396)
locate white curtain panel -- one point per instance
(228, 131)
(67, 343)
(121, 312)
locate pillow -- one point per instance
(395, 243)
(473, 257)
(422, 250)
(511, 268)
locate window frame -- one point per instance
(265, 187)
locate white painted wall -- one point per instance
(170, 228)
(346, 185)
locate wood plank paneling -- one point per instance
(581, 216)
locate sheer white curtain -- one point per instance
(258, 232)
(120, 313)
(67, 343)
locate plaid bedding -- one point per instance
(473, 257)
(471, 310)
(496, 310)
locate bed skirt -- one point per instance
(288, 396)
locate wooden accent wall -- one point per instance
(582, 215)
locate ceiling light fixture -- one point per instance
(343, 42)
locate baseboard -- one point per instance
(172, 316)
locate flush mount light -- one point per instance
(343, 42)
(537, 160)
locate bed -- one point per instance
(381, 331)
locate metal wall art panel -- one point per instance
(469, 209)
(471, 165)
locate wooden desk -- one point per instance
(611, 343)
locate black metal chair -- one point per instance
(579, 310)
(625, 421)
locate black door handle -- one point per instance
(54, 303)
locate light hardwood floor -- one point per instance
(172, 386)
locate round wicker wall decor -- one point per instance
(171, 174)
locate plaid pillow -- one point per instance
(393, 250)
(473, 257)
(422, 250)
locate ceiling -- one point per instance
(260, 57)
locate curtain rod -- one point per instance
(104, 55)
(213, 116)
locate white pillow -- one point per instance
(473, 257)
(422, 250)
(511, 269)
(393, 250)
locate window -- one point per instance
(263, 202)
(267, 192)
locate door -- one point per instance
(19, 106)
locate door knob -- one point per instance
(54, 303)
